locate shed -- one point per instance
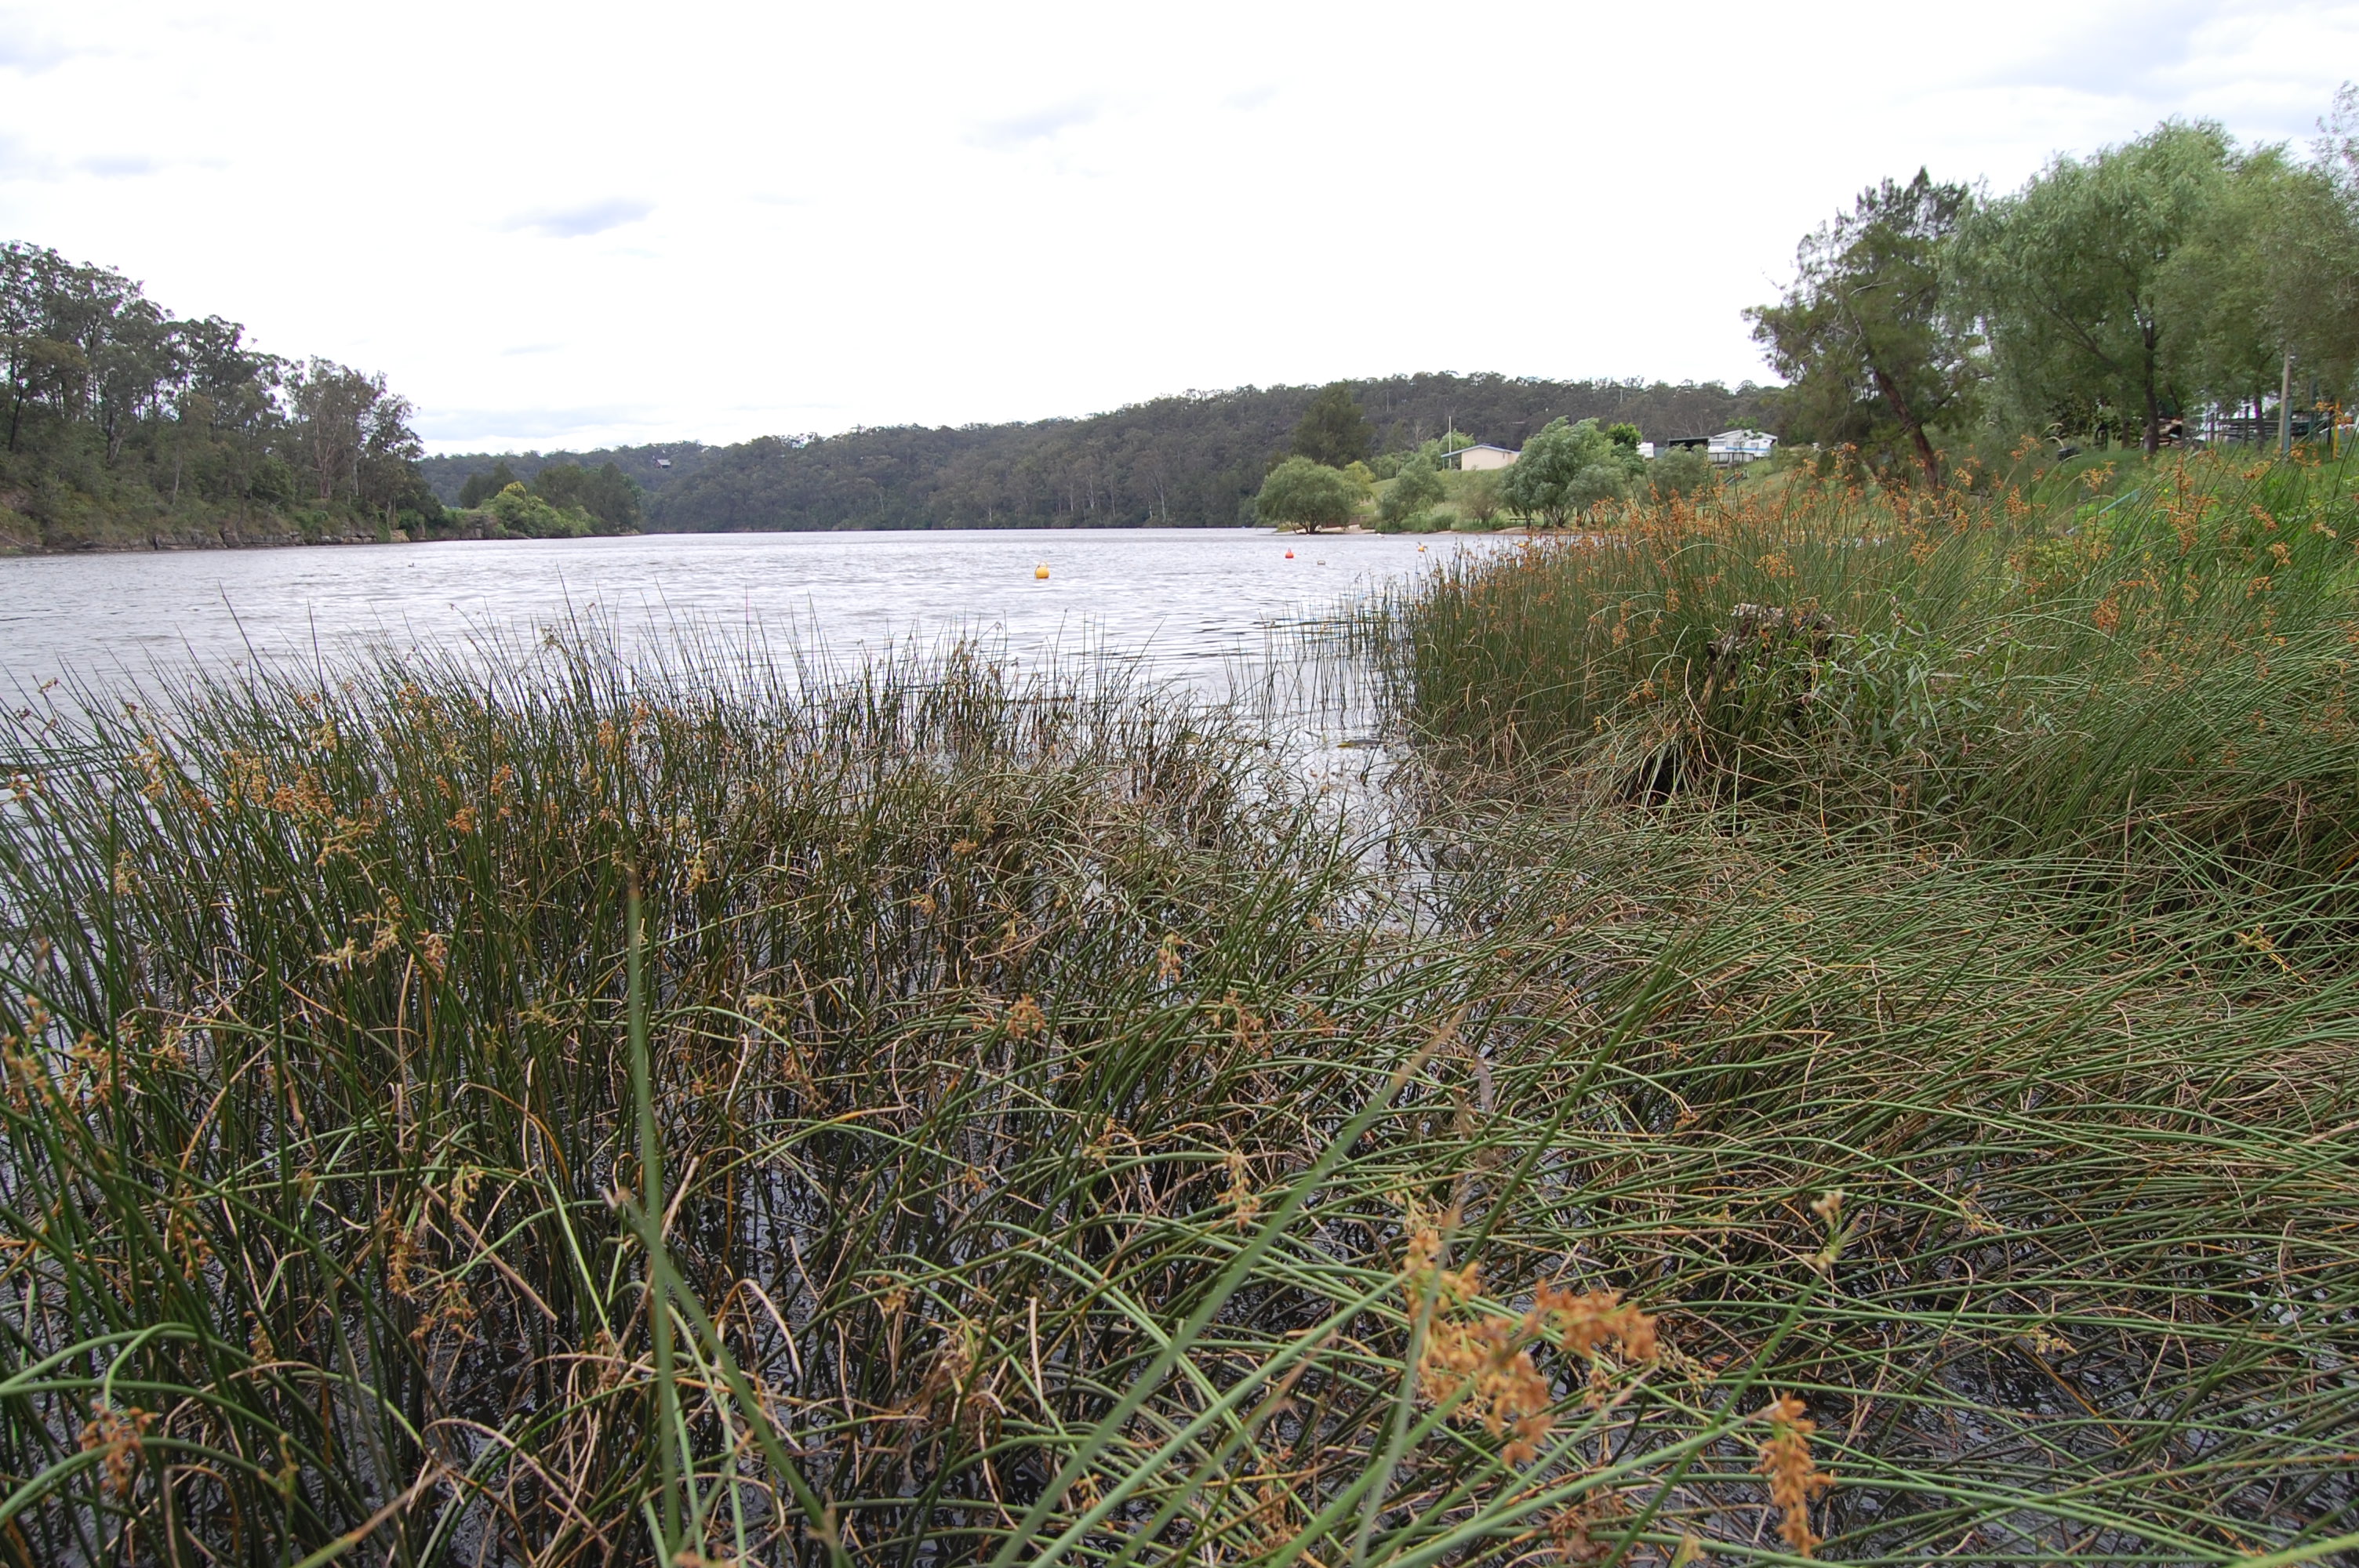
(1470, 458)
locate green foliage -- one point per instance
(2080, 276)
(1596, 484)
(1563, 470)
(1481, 495)
(272, 482)
(1679, 471)
(2108, 300)
(121, 423)
(603, 492)
(522, 514)
(1333, 430)
(1416, 489)
(1870, 335)
(1307, 495)
(2270, 267)
(482, 487)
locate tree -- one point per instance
(482, 487)
(1869, 335)
(1480, 496)
(1300, 494)
(1552, 479)
(1416, 488)
(522, 514)
(98, 379)
(1682, 471)
(605, 493)
(2074, 278)
(1333, 430)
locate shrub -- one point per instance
(1679, 471)
(522, 514)
(1415, 489)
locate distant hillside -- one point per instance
(447, 475)
(1190, 461)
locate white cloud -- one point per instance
(581, 219)
(1039, 126)
(560, 224)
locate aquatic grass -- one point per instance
(1038, 1129)
(2036, 672)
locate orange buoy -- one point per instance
(1289, 554)
(1041, 571)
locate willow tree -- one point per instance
(2081, 278)
(1299, 494)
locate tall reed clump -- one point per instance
(2001, 843)
(2156, 656)
(566, 1112)
(594, 1114)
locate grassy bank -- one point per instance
(1019, 1126)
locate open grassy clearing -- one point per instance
(1027, 1130)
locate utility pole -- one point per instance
(2284, 411)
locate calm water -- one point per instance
(1192, 601)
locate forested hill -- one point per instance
(1192, 461)
(123, 425)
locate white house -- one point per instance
(1470, 458)
(1731, 448)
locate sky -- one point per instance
(564, 226)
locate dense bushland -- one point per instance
(123, 425)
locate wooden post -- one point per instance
(2284, 411)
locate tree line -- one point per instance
(119, 421)
(1194, 459)
(2176, 283)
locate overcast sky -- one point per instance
(575, 224)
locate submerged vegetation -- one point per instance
(1840, 1047)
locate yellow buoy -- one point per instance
(1041, 571)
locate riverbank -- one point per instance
(210, 527)
(1837, 1043)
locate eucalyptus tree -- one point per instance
(1869, 335)
(1335, 431)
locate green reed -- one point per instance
(560, 1110)
(2164, 654)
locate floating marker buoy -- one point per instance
(1041, 571)
(1420, 549)
(1289, 554)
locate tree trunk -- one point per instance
(2153, 402)
(1927, 459)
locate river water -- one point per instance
(1192, 604)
